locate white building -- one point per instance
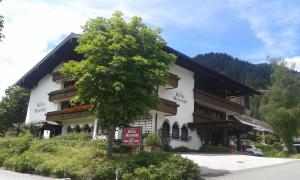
(194, 104)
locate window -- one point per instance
(166, 129)
(184, 133)
(175, 131)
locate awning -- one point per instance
(255, 123)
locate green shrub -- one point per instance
(152, 140)
(214, 149)
(181, 149)
(75, 136)
(103, 170)
(173, 168)
(20, 144)
(176, 168)
(119, 148)
(144, 159)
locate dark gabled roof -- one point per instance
(65, 51)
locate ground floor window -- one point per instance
(175, 131)
(184, 133)
(166, 129)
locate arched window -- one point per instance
(77, 129)
(166, 129)
(184, 133)
(175, 131)
(86, 128)
(69, 129)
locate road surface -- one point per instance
(286, 171)
(9, 175)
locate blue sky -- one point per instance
(247, 29)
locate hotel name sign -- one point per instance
(179, 97)
(40, 107)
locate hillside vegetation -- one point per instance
(254, 75)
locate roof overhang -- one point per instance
(65, 51)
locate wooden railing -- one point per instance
(69, 113)
(216, 101)
(172, 79)
(167, 106)
(58, 76)
(63, 94)
(204, 118)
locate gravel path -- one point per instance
(225, 163)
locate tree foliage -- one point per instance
(281, 104)
(123, 64)
(13, 108)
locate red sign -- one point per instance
(132, 136)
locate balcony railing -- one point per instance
(216, 101)
(167, 106)
(172, 79)
(63, 94)
(204, 118)
(57, 76)
(69, 113)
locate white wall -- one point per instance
(39, 103)
(183, 95)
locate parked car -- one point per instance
(252, 150)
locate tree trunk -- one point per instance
(110, 138)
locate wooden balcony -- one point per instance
(167, 106)
(200, 118)
(216, 101)
(69, 113)
(172, 80)
(63, 94)
(57, 76)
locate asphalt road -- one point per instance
(9, 175)
(286, 171)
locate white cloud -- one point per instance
(31, 24)
(294, 61)
(274, 23)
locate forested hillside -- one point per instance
(254, 75)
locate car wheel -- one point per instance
(251, 153)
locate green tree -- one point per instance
(13, 108)
(281, 104)
(123, 64)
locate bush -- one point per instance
(104, 170)
(152, 140)
(173, 168)
(181, 149)
(75, 136)
(177, 167)
(214, 149)
(143, 159)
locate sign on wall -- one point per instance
(180, 98)
(132, 136)
(40, 107)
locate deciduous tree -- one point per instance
(281, 104)
(13, 108)
(123, 64)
